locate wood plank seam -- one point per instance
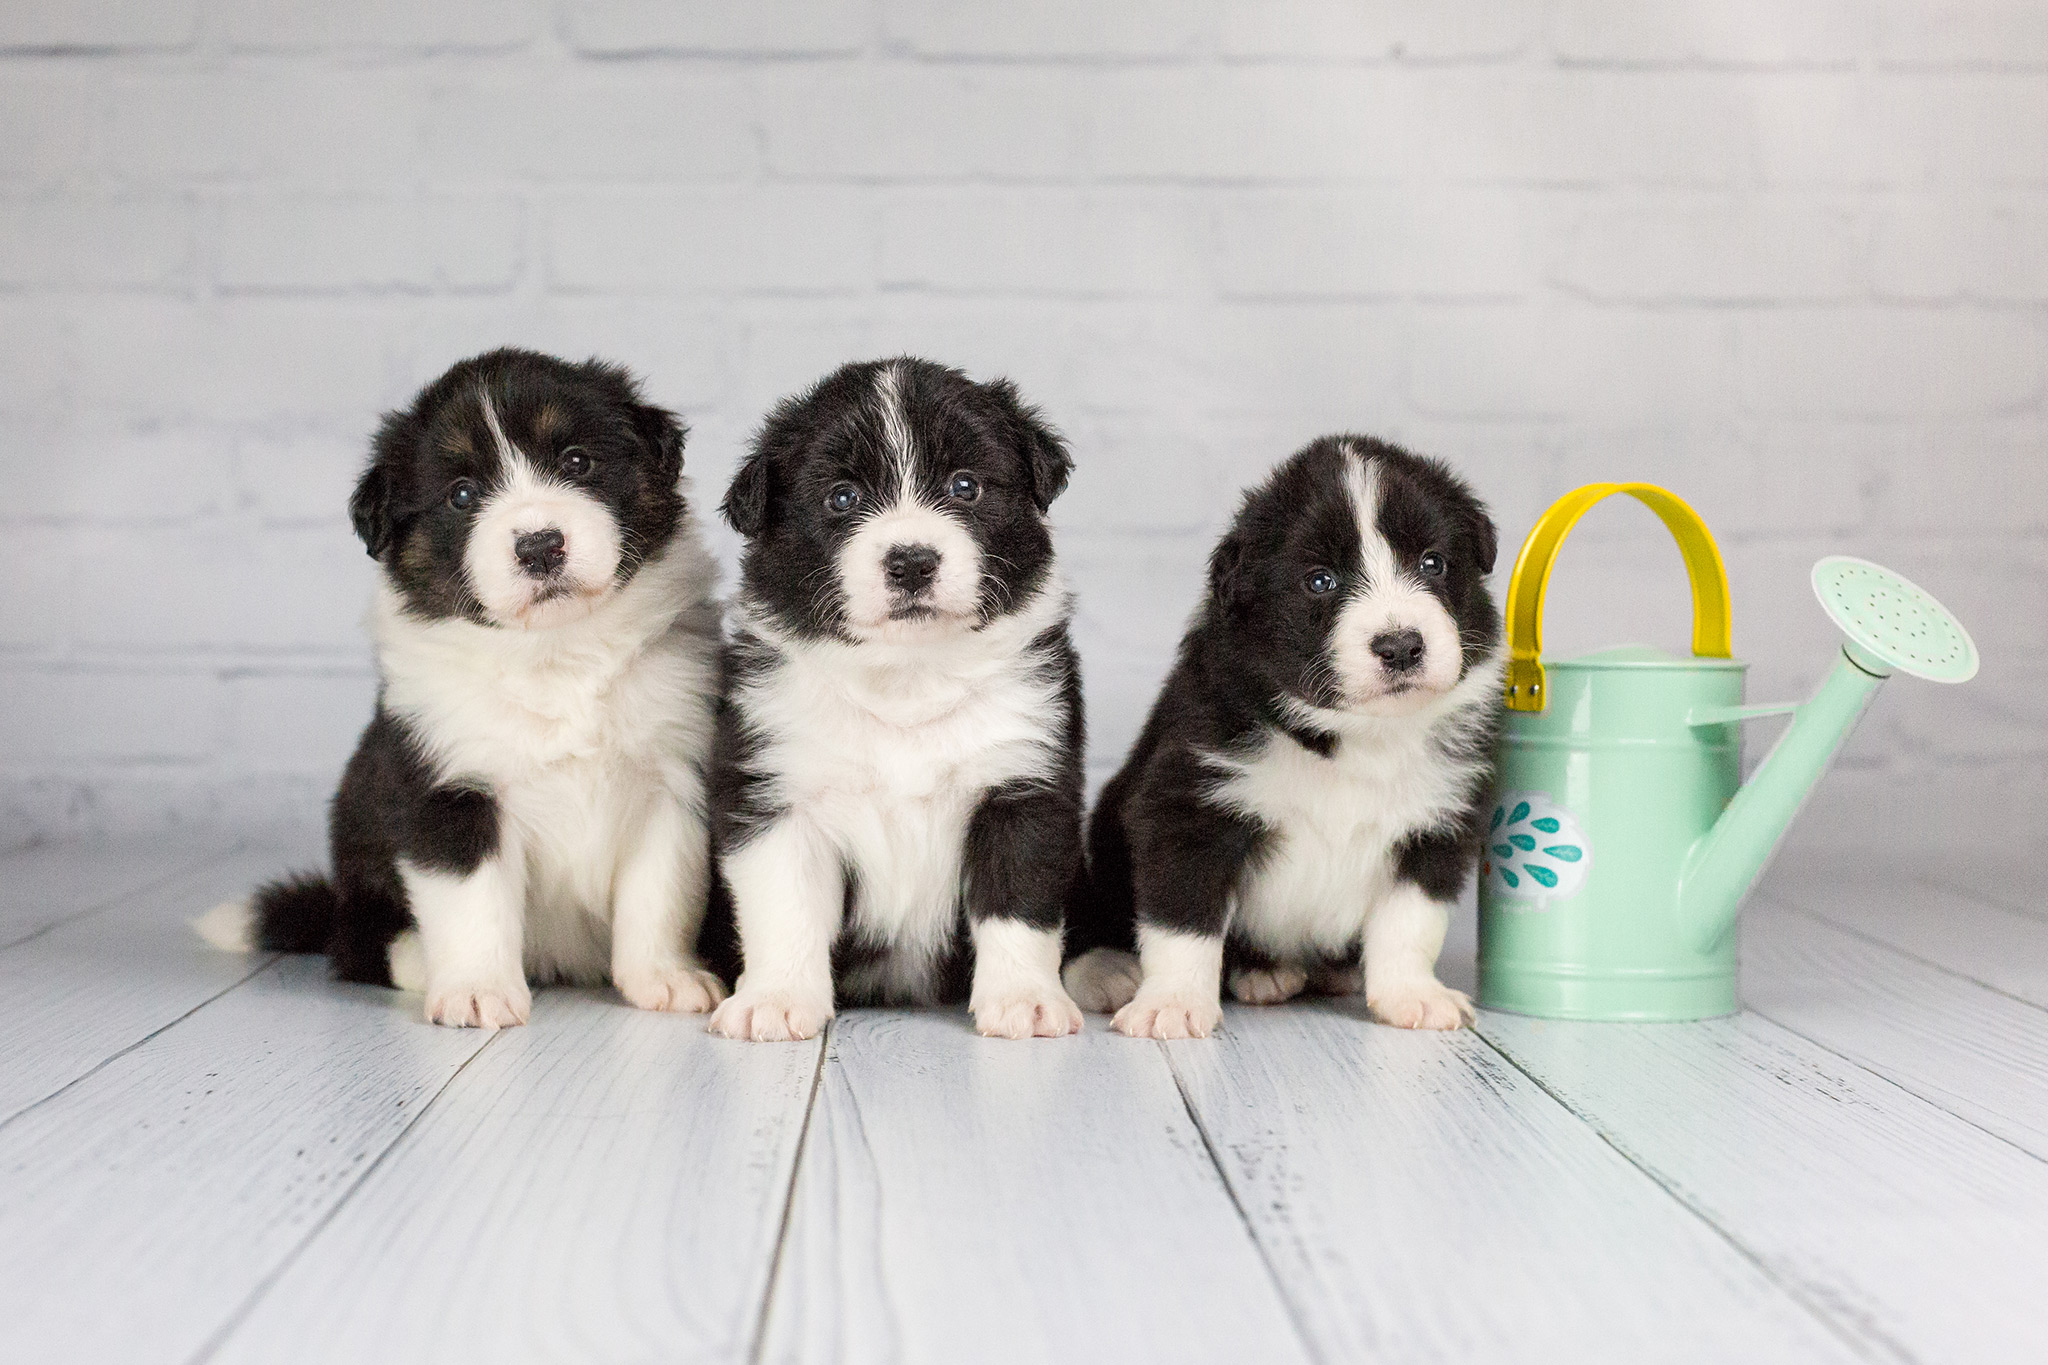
(1818, 1309)
(119, 898)
(1961, 888)
(258, 965)
(211, 1346)
(1874, 941)
(758, 1347)
(1231, 1192)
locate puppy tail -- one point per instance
(294, 915)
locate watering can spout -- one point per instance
(1728, 858)
(1891, 627)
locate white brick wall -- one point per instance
(1791, 260)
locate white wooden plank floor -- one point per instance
(209, 1158)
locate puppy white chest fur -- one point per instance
(583, 734)
(887, 749)
(1333, 827)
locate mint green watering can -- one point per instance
(1622, 838)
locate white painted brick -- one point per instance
(297, 122)
(222, 585)
(329, 243)
(1161, 472)
(1051, 28)
(1386, 241)
(1984, 33)
(925, 122)
(441, 26)
(89, 243)
(1325, 366)
(1574, 363)
(1044, 241)
(82, 470)
(1726, 32)
(1953, 249)
(302, 476)
(640, 121)
(42, 597)
(711, 240)
(680, 353)
(779, 28)
(79, 715)
(49, 116)
(1323, 30)
(296, 722)
(98, 25)
(1861, 363)
(1969, 483)
(1713, 248)
(1376, 123)
(1896, 129)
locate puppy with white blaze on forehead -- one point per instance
(1303, 806)
(898, 776)
(529, 802)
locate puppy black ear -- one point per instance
(1045, 453)
(1485, 539)
(746, 501)
(664, 433)
(1227, 582)
(370, 508)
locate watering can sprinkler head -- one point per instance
(1890, 626)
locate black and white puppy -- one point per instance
(898, 792)
(530, 801)
(1307, 788)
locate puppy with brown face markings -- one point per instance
(898, 810)
(1302, 807)
(528, 803)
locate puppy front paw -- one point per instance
(488, 1007)
(1103, 980)
(767, 1016)
(1267, 985)
(1167, 1015)
(673, 989)
(1421, 1004)
(1044, 1012)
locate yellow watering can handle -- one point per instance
(1710, 614)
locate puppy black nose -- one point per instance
(1399, 650)
(911, 568)
(539, 553)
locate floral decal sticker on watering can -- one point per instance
(1535, 850)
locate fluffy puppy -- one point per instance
(898, 790)
(1308, 786)
(529, 801)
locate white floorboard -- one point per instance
(1916, 1233)
(602, 1184)
(1961, 932)
(1423, 1200)
(99, 981)
(145, 1204)
(971, 1199)
(51, 883)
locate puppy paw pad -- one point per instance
(1267, 985)
(1425, 1006)
(1048, 1014)
(768, 1017)
(1168, 1018)
(478, 1007)
(1103, 980)
(674, 990)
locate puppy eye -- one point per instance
(841, 497)
(1322, 581)
(963, 487)
(575, 462)
(463, 494)
(1433, 565)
